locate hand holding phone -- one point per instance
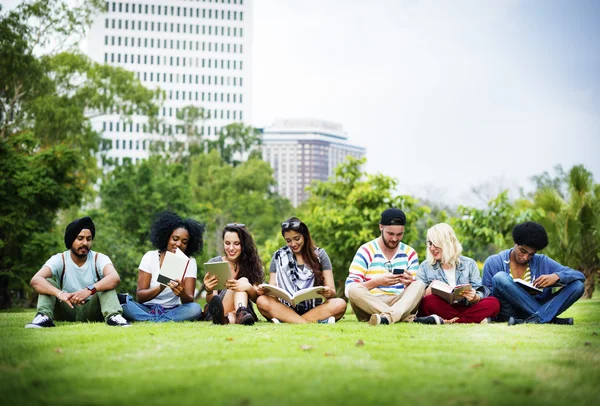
(398, 271)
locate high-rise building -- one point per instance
(301, 151)
(198, 51)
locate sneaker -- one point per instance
(433, 319)
(243, 316)
(117, 320)
(566, 321)
(328, 320)
(275, 321)
(377, 319)
(216, 311)
(40, 321)
(251, 310)
(512, 321)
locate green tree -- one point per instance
(235, 194)
(131, 195)
(344, 212)
(573, 222)
(47, 142)
(234, 141)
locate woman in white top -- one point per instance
(175, 301)
(445, 265)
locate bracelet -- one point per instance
(209, 292)
(60, 293)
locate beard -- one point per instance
(77, 254)
(389, 244)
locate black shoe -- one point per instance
(216, 311)
(377, 319)
(243, 316)
(566, 321)
(117, 320)
(433, 319)
(512, 321)
(40, 321)
(251, 310)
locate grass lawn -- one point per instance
(346, 363)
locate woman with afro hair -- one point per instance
(234, 304)
(174, 302)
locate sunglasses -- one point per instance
(238, 225)
(294, 225)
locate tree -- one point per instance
(234, 141)
(47, 142)
(227, 194)
(573, 222)
(344, 212)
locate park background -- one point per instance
(49, 156)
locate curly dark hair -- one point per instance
(531, 234)
(308, 249)
(166, 222)
(249, 263)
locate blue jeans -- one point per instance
(516, 302)
(134, 311)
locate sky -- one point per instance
(445, 95)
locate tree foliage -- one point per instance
(344, 212)
(47, 142)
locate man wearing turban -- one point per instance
(78, 284)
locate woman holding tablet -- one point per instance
(175, 301)
(233, 305)
(300, 265)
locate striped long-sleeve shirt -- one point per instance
(370, 261)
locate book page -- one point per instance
(173, 267)
(307, 294)
(274, 291)
(528, 286)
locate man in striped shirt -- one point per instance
(381, 285)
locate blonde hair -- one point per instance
(442, 236)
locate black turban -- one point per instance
(75, 227)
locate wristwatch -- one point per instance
(91, 288)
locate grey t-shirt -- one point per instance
(323, 259)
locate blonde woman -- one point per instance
(445, 263)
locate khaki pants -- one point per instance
(402, 307)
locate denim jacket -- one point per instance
(466, 272)
(539, 265)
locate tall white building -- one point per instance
(301, 151)
(198, 51)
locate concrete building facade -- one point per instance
(300, 151)
(198, 51)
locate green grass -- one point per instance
(198, 363)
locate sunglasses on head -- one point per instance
(239, 225)
(294, 225)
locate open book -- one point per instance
(449, 294)
(532, 290)
(299, 296)
(222, 272)
(174, 266)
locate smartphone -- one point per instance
(398, 271)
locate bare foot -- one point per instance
(451, 321)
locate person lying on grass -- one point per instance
(83, 282)
(523, 262)
(175, 301)
(445, 264)
(234, 304)
(300, 265)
